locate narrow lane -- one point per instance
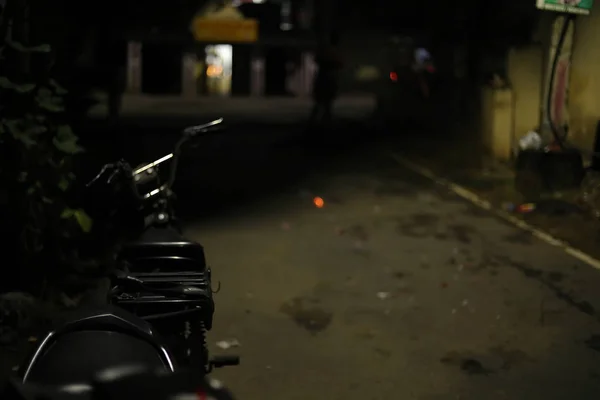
(395, 289)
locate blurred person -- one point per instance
(325, 85)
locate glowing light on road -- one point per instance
(318, 202)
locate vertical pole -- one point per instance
(134, 67)
(257, 77)
(188, 78)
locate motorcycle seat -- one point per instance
(161, 243)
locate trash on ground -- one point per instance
(383, 295)
(520, 209)
(228, 344)
(465, 303)
(531, 141)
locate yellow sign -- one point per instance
(225, 30)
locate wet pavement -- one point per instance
(395, 288)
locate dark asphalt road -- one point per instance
(395, 289)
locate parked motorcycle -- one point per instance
(162, 307)
(160, 276)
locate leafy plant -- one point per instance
(37, 150)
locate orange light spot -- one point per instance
(319, 203)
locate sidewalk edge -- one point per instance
(486, 205)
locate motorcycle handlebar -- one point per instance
(123, 169)
(131, 384)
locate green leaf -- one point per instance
(51, 104)
(43, 48)
(57, 88)
(67, 213)
(66, 141)
(5, 83)
(20, 134)
(84, 220)
(64, 132)
(63, 184)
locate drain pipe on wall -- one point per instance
(556, 131)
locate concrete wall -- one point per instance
(584, 95)
(508, 114)
(497, 122)
(525, 76)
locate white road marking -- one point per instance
(486, 205)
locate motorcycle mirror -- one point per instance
(192, 131)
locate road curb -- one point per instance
(480, 202)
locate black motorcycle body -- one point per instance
(163, 277)
(162, 259)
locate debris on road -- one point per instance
(383, 295)
(228, 344)
(469, 363)
(473, 367)
(520, 209)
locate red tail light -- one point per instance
(394, 76)
(430, 69)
